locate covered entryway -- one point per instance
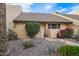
(53, 29)
(49, 30)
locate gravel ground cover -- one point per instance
(40, 47)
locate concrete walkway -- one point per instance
(66, 42)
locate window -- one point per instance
(53, 26)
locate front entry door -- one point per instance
(53, 28)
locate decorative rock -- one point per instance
(39, 49)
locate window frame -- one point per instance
(53, 26)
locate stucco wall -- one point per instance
(19, 28)
(21, 32)
(12, 11)
(42, 28)
(76, 29)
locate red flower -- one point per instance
(58, 35)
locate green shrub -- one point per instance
(32, 28)
(76, 37)
(67, 33)
(69, 50)
(12, 35)
(27, 44)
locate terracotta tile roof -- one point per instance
(40, 17)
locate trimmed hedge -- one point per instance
(32, 28)
(69, 50)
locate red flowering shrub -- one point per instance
(58, 35)
(66, 33)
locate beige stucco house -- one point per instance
(49, 23)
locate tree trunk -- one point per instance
(3, 34)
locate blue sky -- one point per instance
(63, 8)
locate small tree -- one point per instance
(32, 28)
